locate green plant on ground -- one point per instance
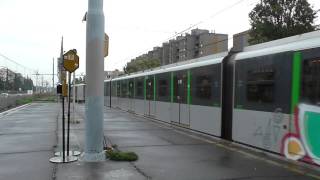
(121, 156)
(24, 101)
(45, 98)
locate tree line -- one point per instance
(18, 83)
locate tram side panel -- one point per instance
(205, 97)
(302, 142)
(139, 96)
(124, 100)
(107, 94)
(80, 93)
(180, 104)
(163, 97)
(131, 89)
(114, 94)
(149, 103)
(261, 114)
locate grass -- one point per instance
(39, 98)
(25, 100)
(122, 156)
(45, 98)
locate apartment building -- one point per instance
(192, 45)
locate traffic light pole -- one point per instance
(94, 81)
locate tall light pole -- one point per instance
(93, 150)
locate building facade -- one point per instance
(192, 45)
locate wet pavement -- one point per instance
(166, 152)
(29, 136)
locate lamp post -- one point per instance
(93, 150)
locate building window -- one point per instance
(260, 85)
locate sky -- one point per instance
(31, 30)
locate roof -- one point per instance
(203, 61)
(293, 43)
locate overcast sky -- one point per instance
(31, 30)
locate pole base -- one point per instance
(93, 157)
(59, 159)
(72, 153)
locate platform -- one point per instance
(29, 138)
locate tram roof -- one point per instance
(198, 62)
(293, 43)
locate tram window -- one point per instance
(163, 88)
(118, 89)
(163, 83)
(124, 88)
(260, 85)
(139, 88)
(203, 86)
(106, 88)
(310, 89)
(149, 88)
(131, 89)
(114, 88)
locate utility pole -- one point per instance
(93, 150)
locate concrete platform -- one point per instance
(166, 152)
(27, 140)
(30, 135)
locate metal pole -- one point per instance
(94, 80)
(52, 75)
(63, 132)
(74, 96)
(68, 130)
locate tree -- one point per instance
(275, 19)
(141, 64)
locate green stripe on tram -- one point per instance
(296, 77)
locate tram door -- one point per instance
(131, 95)
(150, 103)
(180, 108)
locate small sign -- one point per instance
(71, 60)
(64, 88)
(106, 45)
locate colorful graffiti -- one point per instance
(303, 143)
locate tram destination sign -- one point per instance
(71, 60)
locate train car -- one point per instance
(276, 96)
(266, 96)
(80, 92)
(107, 93)
(186, 94)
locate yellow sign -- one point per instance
(64, 88)
(71, 60)
(106, 45)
